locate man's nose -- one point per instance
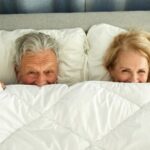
(41, 80)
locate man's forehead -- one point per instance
(40, 52)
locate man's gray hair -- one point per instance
(34, 42)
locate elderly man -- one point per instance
(36, 60)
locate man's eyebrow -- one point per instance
(49, 67)
(30, 66)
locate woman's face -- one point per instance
(130, 67)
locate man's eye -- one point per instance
(49, 72)
(31, 73)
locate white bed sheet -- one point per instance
(86, 116)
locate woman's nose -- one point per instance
(134, 78)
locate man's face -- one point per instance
(38, 68)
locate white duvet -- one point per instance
(86, 116)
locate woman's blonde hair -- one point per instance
(138, 41)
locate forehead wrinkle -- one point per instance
(39, 58)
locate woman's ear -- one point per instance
(111, 72)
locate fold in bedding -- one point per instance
(86, 116)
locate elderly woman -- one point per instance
(36, 61)
(128, 57)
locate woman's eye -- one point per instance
(125, 70)
(141, 71)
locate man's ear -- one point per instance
(16, 69)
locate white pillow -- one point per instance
(72, 46)
(99, 38)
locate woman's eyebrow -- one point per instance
(124, 68)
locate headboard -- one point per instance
(84, 50)
(125, 19)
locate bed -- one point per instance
(84, 111)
